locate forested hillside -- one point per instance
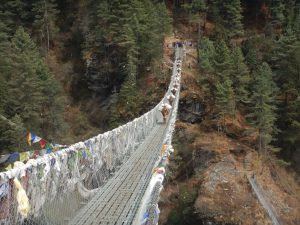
(70, 68)
(250, 63)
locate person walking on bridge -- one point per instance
(174, 90)
(164, 109)
(171, 98)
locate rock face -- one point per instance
(191, 110)
(209, 185)
(203, 158)
(225, 195)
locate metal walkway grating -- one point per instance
(117, 201)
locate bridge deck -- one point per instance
(118, 200)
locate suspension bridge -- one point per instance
(114, 178)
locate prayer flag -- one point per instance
(36, 139)
(49, 147)
(43, 143)
(32, 138)
(13, 157)
(24, 156)
(29, 138)
(9, 167)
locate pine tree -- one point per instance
(206, 58)
(289, 12)
(6, 137)
(296, 25)
(252, 56)
(225, 100)
(227, 15)
(32, 90)
(12, 14)
(288, 101)
(3, 93)
(240, 76)
(4, 59)
(281, 59)
(12, 135)
(128, 100)
(253, 59)
(289, 137)
(232, 17)
(206, 54)
(52, 108)
(45, 16)
(144, 25)
(215, 8)
(23, 83)
(277, 12)
(222, 61)
(294, 67)
(5, 66)
(196, 7)
(163, 19)
(159, 26)
(263, 106)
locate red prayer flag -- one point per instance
(43, 143)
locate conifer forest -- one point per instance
(71, 69)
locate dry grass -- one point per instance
(61, 71)
(223, 188)
(281, 190)
(224, 191)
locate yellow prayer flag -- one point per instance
(163, 150)
(24, 156)
(9, 167)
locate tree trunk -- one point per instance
(204, 22)
(47, 26)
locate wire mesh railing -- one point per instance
(148, 213)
